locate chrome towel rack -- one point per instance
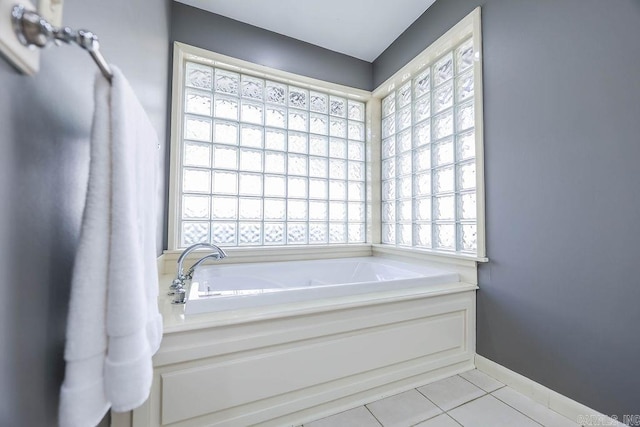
(34, 31)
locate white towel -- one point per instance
(114, 326)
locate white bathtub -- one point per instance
(216, 288)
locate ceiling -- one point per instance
(359, 28)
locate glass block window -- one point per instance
(428, 157)
(269, 163)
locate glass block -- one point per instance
(338, 127)
(466, 175)
(356, 151)
(297, 165)
(356, 110)
(319, 102)
(194, 232)
(337, 211)
(356, 191)
(422, 209)
(250, 208)
(197, 128)
(275, 139)
(318, 233)
(298, 120)
(422, 134)
(404, 164)
(444, 208)
(404, 141)
(198, 102)
(298, 98)
(468, 236)
(337, 169)
(465, 117)
(195, 207)
(252, 87)
(251, 136)
(388, 126)
(318, 188)
(464, 87)
(422, 235)
(275, 93)
(319, 123)
(337, 233)
(464, 55)
(250, 233)
(250, 160)
(318, 145)
(443, 97)
(356, 131)
(275, 186)
(298, 142)
(225, 132)
(199, 76)
(443, 180)
(227, 82)
(404, 118)
(225, 157)
(225, 182)
(422, 184)
(443, 69)
(224, 208)
(389, 233)
(297, 187)
(296, 233)
(337, 106)
(251, 112)
(338, 148)
(466, 145)
(226, 107)
(356, 212)
(337, 190)
(422, 109)
(389, 105)
(403, 187)
(443, 125)
(388, 147)
(318, 167)
(275, 209)
(197, 154)
(422, 84)
(389, 212)
(297, 210)
(422, 159)
(445, 235)
(404, 211)
(196, 180)
(250, 184)
(274, 162)
(318, 211)
(274, 233)
(224, 233)
(404, 95)
(404, 237)
(356, 233)
(389, 168)
(275, 116)
(443, 153)
(467, 206)
(389, 189)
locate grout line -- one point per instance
(372, 414)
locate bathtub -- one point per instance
(216, 288)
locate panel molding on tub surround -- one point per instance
(287, 371)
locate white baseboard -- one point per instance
(555, 401)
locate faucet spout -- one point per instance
(221, 254)
(177, 287)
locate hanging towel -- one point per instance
(114, 326)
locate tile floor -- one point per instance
(471, 399)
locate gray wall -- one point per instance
(559, 300)
(233, 38)
(45, 122)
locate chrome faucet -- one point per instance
(177, 286)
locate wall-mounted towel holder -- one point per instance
(34, 31)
